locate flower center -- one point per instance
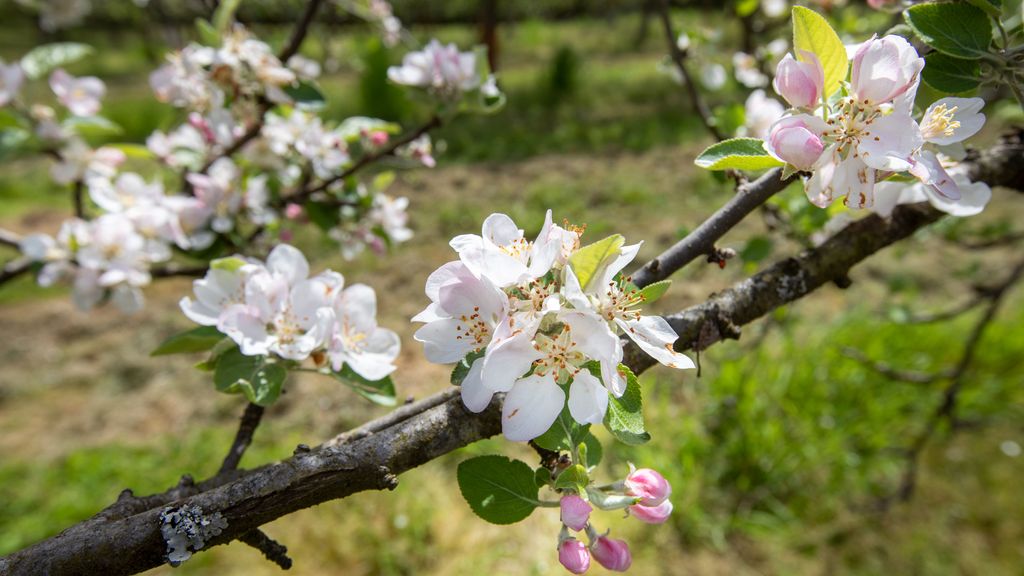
(940, 122)
(473, 329)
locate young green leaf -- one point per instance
(208, 35)
(736, 154)
(588, 261)
(951, 75)
(499, 490)
(811, 32)
(573, 478)
(462, 367)
(564, 434)
(377, 391)
(305, 93)
(41, 60)
(92, 126)
(252, 376)
(954, 28)
(652, 292)
(624, 418)
(225, 15)
(198, 339)
(594, 449)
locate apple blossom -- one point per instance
(575, 511)
(797, 140)
(11, 78)
(356, 339)
(611, 553)
(574, 556)
(441, 70)
(801, 83)
(974, 196)
(760, 113)
(78, 162)
(747, 72)
(222, 287)
(80, 95)
(952, 120)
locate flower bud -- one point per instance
(652, 514)
(791, 140)
(575, 511)
(883, 69)
(292, 211)
(800, 83)
(378, 138)
(649, 486)
(574, 555)
(612, 554)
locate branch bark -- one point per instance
(125, 538)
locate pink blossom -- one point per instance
(648, 485)
(611, 553)
(575, 511)
(574, 555)
(378, 137)
(795, 140)
(884, 68)
(800, 83)
(292, 211)
(652, 514)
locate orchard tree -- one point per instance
(546, 334)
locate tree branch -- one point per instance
(300, 32)
(679, 59)
(246, 428)
(125, 538)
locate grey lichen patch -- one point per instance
(791, 287)
(186, 529)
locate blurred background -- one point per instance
(784, 452)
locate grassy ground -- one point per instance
(777, 453)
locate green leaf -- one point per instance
(573, 478)
(377, 391)
(757, 248)
(198, 339)
(208, 35)
(252, 376)
(738, 154)
(542, 476)
(624, 418)
(652, 292)
(12, 140)
(93, 126)
(499, 490)
(589, 261)
(954, 28)
(225, 14)
(323, 215)
(951, 75)
(305, 93)
(594, 449)
(134, 151)
(462, 367)
(48, 57)
(210, 364)
(811, 32)
(229, 264)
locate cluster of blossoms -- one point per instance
(643, 494)
(866, 131)
(57, 15)
(532, 318)
(446, 74)
(277, 308)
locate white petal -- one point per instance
(588, 399)
(475, 395)
(376, 359)
(655, 337)
(890, 142)
(974, 196)
(507, 360)
(289, 262)
(441, 344)
(531, 408)
(501, 230)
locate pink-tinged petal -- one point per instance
(575, 511)
(800, 83)
(611, 553)
(796, 140)
(501, 230)
(289, 262)
(652, 514)
(929, 170)
(475, 395)
(974, 196)
(574, 556)
(442, 343)
(452, 271)
(376, 358)
(530, 408)
(588, 399)
(655, 337)
(475, 299)
(649, 486)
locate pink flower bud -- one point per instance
(883, 69)
(649, 486)
(378, 137)
(652, 514)
(800, 83)
(575, 512)
(287, 236)
(199, 123)
(292, 211)
(612, 554)
(792, 140)
(574, 555)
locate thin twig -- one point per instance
(702, 240)
(302, 195)
(946, 314)
(910, 376)
(272, 550)
(300, 32)
(13, 269)
(173, 270)
(78, 195)
(946, 409)
(8, 238)
(246, 428)
(679, 59)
